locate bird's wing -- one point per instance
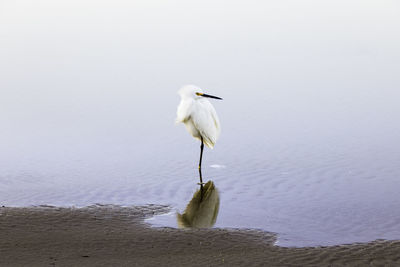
(206, 121)
(184, 111)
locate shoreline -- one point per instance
(118, 236)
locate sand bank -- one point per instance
(117, 236)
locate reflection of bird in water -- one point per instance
(199, 117)
(201, 212)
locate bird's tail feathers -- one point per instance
(209, 144)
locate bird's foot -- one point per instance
(201, 183)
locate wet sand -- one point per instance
(117, 236)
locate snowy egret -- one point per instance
(199, 117)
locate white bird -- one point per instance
(199, 117)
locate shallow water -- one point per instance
(310, 128)
(321, 187)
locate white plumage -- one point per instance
(198, 115)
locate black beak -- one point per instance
(211, 96)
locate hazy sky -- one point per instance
(75, 73)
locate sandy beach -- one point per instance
(118, 236)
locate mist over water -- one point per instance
(310, 123)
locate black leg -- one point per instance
(201, 178)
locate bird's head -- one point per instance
(194, 92)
